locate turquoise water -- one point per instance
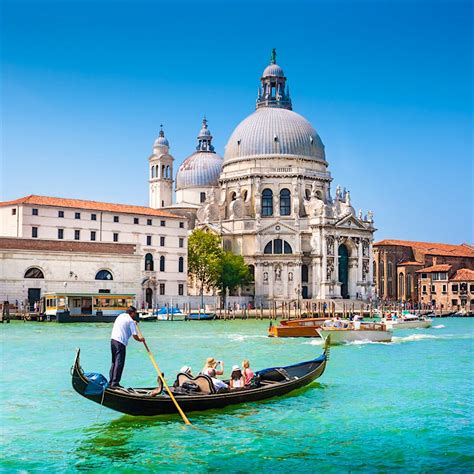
(405, 406)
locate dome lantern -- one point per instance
(272, 92)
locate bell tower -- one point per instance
(160, 166)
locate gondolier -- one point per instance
(124, 328)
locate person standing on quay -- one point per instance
(124, 328)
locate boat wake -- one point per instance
(439, 326)
(315, 342)
(364, 342)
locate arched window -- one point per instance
(149, 265)
(267, 203)
(408, 292)
(277, 246)
(181, 265)
(285, 202)
(390, 269)
(34, 272)
(307, 193)
(104, 275)
(401, 292)
(152, 171)
(157, 168)
(163, 171)
(233, 196)
(162, 263)
(304, 273)
(168, 172)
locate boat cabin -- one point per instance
(85, 306)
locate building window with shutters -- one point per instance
(115, 237)
(60, 233)
(181, 265)
(93, 217)
(181, 242)
(148, 239)
(162, 289)
(93, 234)
(136, 220)
(77, 234)
(162, 241)
(180, 289)
(77, 215)
(116, 218)
(162, 263)
(34, 212)
(149, 222)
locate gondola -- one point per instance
(269, 383)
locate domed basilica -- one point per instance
(270, 200)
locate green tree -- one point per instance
(234, 272)
(204, 259)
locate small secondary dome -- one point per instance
(203, 168)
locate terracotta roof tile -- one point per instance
(406, 264)
(463, 274)
(444, 267)
(14, 243)
(431, 248)
(89, 205)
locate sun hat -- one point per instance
(235, 368)
(185, 369)
(210, 361)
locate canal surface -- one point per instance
(405, 406)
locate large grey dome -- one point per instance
(201, 169)
(272, 131)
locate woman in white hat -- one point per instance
(236, 378)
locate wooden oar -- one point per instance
(160, 375)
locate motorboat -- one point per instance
(343, 331)
(410, 321)
(296, 327)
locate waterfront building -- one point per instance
(447, 289)
(403, 267)
(47, 244)
(270, 200)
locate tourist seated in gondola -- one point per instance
(212, 363)
(219, 385)
(236, 378)
(247, 372)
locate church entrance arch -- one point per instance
(343, 256)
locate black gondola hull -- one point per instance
(140, 405)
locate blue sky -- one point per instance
(387, 85)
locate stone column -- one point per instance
(385, 275)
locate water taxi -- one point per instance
(296, 328)
(85, 307)
(354, 331)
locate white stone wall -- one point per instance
(60, 270)
(10, 224)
